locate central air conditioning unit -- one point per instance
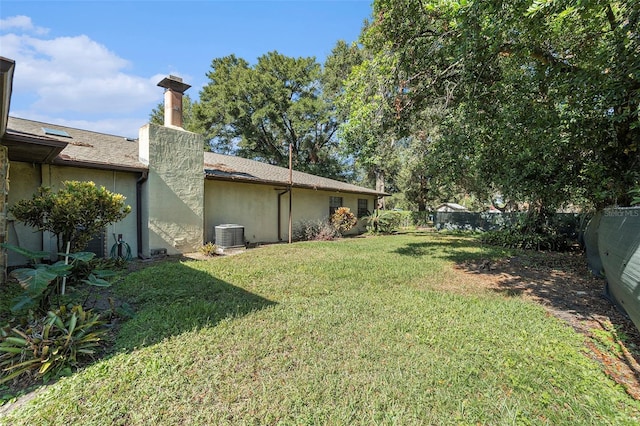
(229, 235)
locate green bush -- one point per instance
(343, 219)
(75, 214)
(314, 230)
(41, 281)
(532, 232)
(635, 196)
(383, 221)
(209, 249)
(51, 346)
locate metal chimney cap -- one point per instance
(174, 83)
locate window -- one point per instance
(334, 203)
(55, 132)
(363, 207)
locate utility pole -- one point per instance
(290, 189)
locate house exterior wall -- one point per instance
(256, 208)
(309, 204)
(174, 190)
(253, 206)
(26, 178)
(4, 191)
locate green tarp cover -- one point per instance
(619, 249)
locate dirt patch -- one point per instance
(563, 284)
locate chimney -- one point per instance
(173, 90)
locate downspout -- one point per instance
(141, 180)
(280, 194)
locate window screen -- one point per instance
(363, 207)
(334, 203)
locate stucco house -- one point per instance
(178, 192)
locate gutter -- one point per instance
(141, 180)
(96, 165)
(280, 194)
(295, 185)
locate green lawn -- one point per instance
(361, 331)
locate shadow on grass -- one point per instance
(456, 248)
(171, 298)
(561, 282)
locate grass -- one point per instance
(360, 331)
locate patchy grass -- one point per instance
(377, 330)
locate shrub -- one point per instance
(51, 346)
(529, 232)
(310, 230)
(209, 249)
(77, 212)
(635, 195)
(343, 220)
(41, 282)
(383, 221)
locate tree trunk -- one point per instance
(380, 187)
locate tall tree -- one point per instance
(366, 135)
(337, 68)
(258, 111)
(541, 98)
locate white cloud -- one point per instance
(75, 74)
(75, 77)
(23, 23)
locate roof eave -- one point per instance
(32, 149)
(7, 67)
(96, 165)
(294, 185)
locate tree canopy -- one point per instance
(258, 111)
(535, 101)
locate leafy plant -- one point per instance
(77, 212)
(343, 219)
(209, 249)
(318, 230)
(50, 346)
(532, 233)
(41, 281)
(635, 196)
(383, 221)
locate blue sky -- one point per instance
(95, 65)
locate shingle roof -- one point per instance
(84, 147)
(226, 167)
(92, 149)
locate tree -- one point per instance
(366, 134)
(337, 68)
(258, 112)
(540, 99)
(75, 214)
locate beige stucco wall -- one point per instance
(26, 178)
(253, 206)
(174, 191)
(314, 205)
(24, 181)
(256, 208)
(4, 191)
